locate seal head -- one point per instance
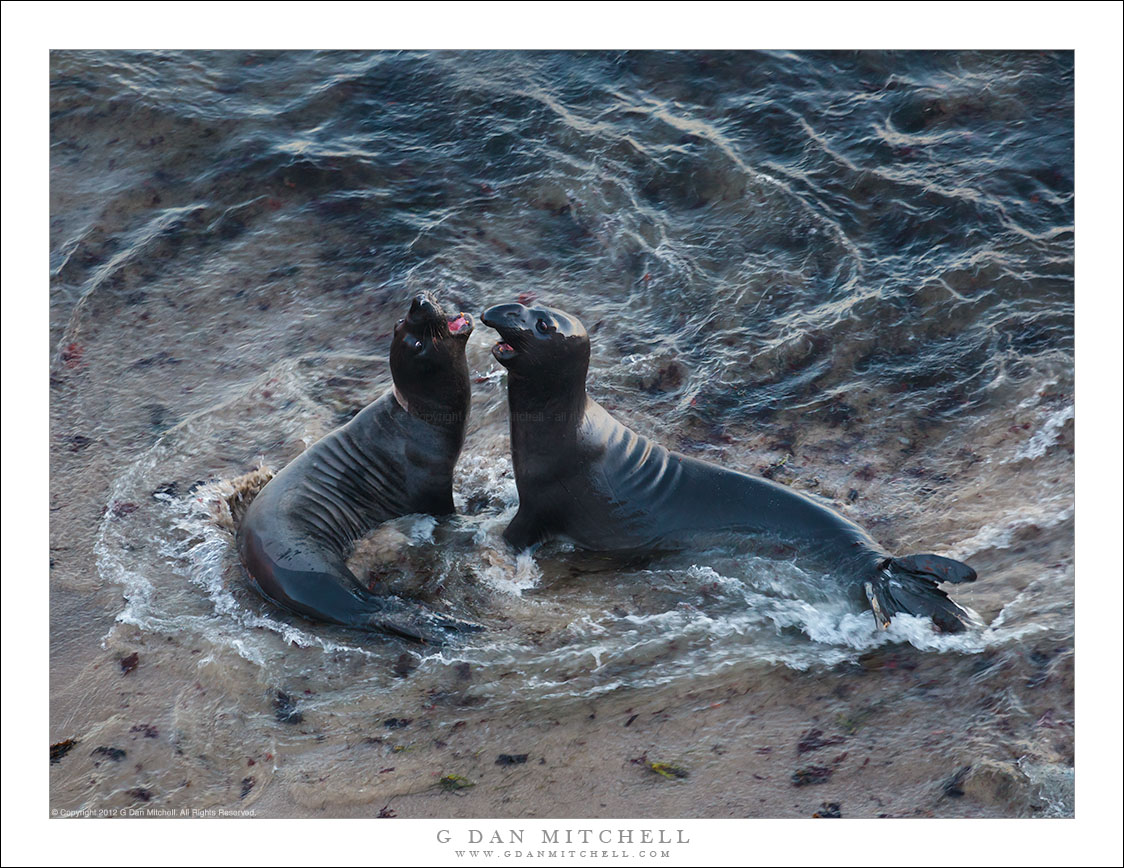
(428, 364)
(538, 341)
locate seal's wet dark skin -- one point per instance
(583, 475)
(395, 458)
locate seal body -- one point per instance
(583, 475)
(394, 458)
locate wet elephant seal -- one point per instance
(583, 475)
(395, 458)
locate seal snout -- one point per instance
(509, 321)
(426, 312)
(423, 309)
(504, 316)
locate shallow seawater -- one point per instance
(850, 272)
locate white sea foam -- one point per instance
(1046, 436)
(1002, 534)
(507, 573)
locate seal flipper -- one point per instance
(415, 621)
(316, 585)
(336, 597)
(909, 585)
(939, 569)
(524, 530)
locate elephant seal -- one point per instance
(583, 475)
(394, 458)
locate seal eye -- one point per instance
(414, 343)
(542, 326)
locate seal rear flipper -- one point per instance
(909, 586)
(319, 586)
(414, 621)
(333, 598)
(937, 568)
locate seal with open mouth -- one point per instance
(583, 475)
(395, 458)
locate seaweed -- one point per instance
(285, 709)
(668, 770)
(62, 748)
(811, 775)
(129, 663)
(454, 783)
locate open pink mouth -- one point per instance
(503, 351)
(458, 324)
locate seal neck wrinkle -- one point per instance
(561, 395)
(545, 424)
(445, 409)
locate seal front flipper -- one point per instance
(524, 531)
(909, 585)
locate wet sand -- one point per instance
(755, 743)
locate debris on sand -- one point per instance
(110, 753)
(511, 759)
(120, 509)
(828, 811)
(813, 740)
(78, 442)
(129, 663)
(952, 787)
(62, 748)
(453, 783)
(72, 355)
(285, 709)
(668, 770)
(811, 775)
